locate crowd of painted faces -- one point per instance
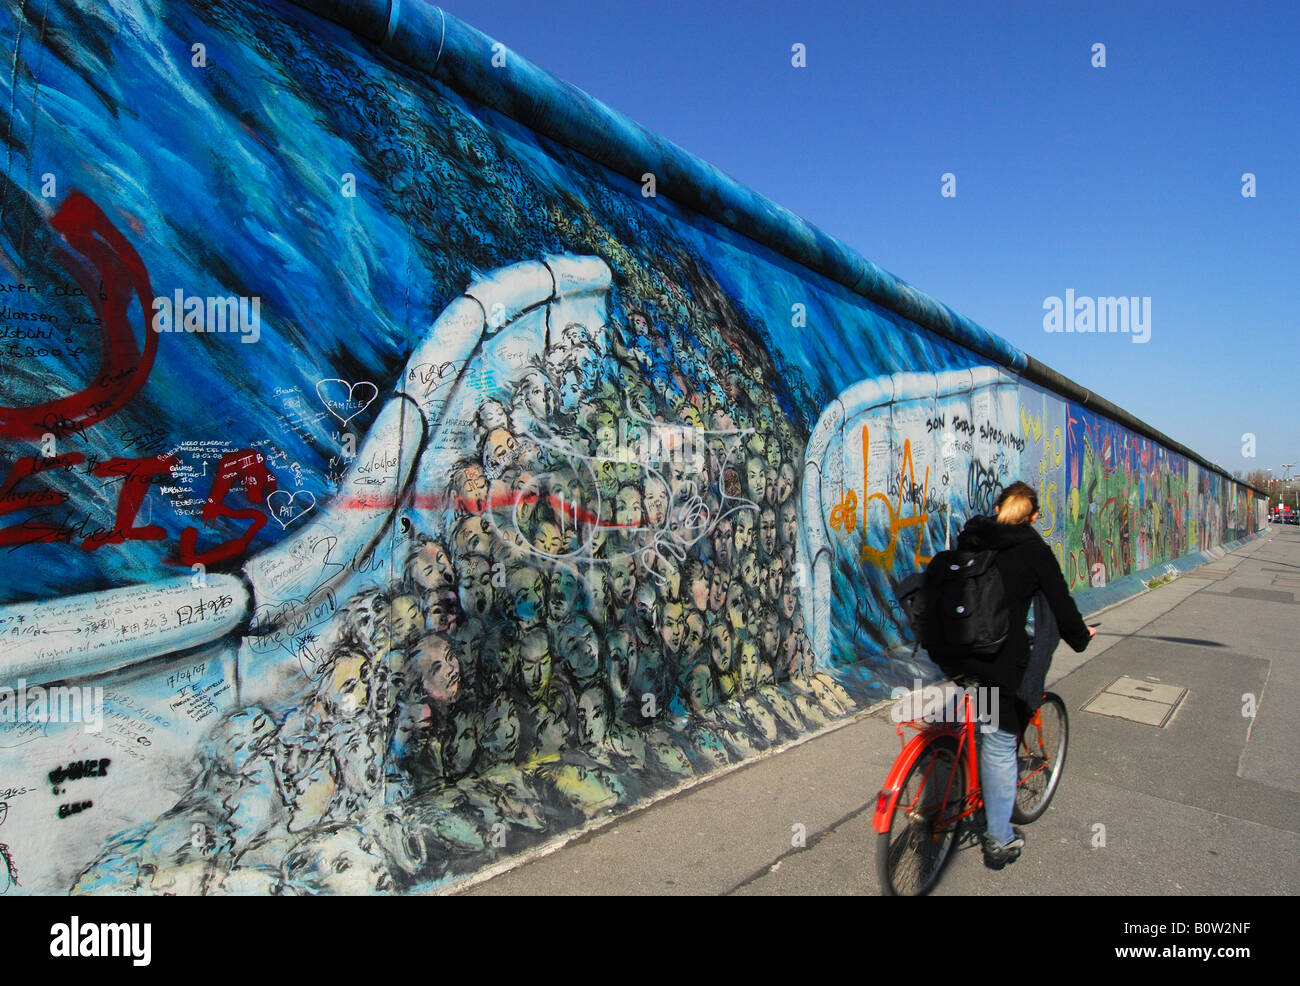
(610, 607)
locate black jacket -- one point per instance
(1028, 567)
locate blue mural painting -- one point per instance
(390, 488)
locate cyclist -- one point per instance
(1027, 567)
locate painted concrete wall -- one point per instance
(389, 485)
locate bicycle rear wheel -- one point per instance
(924, 825)
(1042, 758)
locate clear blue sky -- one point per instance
(1123, 180)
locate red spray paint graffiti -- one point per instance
(110, 261)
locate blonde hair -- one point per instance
(1017, 504)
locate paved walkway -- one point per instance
(1207, 804)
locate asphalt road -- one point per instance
(1208, 803)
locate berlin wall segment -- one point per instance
(508, 498)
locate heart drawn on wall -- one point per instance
(287, 511)
(346, 400)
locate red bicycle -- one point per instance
(926, 796)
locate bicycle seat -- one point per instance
(965, 681)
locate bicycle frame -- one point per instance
(963, 731)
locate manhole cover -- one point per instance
(1264, 595)
(1147, 702)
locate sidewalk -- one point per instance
(1207, 804)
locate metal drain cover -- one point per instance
(1147, 702)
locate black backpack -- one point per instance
(958, 607)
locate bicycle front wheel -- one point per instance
(924, 825)
(1042, 758)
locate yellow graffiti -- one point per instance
(844, 514)
(1030, 425)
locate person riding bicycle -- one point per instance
(1028, 568)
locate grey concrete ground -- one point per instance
(1207, 804)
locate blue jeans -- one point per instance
(998, 777)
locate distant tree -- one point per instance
(1258, 478)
